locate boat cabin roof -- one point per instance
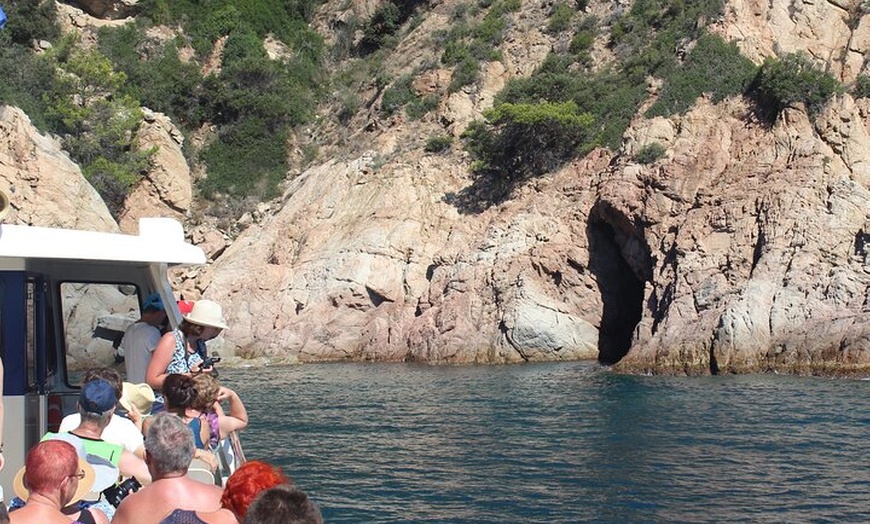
(160, 240)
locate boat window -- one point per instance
(95, 318)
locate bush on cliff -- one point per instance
(26, 75)
(611, 97)
(861, 89)
(97, 124)
(156, 75)
(521, 140)
(713, 66)
(29, 21)
(792, 79)
(466, 46)
(253, 101)
(286, 20)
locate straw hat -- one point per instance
(99, 473)
(206, 313)
(139, 395)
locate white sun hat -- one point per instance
(207, 313)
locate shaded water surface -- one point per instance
(375, 443)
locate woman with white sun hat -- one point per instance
(177, 350)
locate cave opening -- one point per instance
(622, 290)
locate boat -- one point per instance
(66, 296)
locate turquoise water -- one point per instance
(550, 443)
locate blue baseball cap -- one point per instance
(153, 301)
(97, 396)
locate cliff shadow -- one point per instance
(488, 189)
(620, 282)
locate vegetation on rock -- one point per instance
(650, 153)
(791, 79)
(251, 103)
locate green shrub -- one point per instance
(645, 40)
(455, 51)
(491, 28)
(383, 24)
(310, 153)
(862, 87)
(214, 23)
(438, 143)
(97, 125)
(26, 78)
(254, 101)
(611, 97)
(286, 20)
(29, 20)
(650, 153)
(581, 42)
(243, 44)
(465, 73)
(509, 6)
(465, 47)
(247, 159)
(646, 37)
(114, 179)
(91, 99)
(397, 95)
(261, 89)
(560, 18)
(421, 105)
(161, 81)
(349, 104)
(402, 95)
(793, 79)
(712, 66)
(521, 140)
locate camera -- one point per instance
(115, 494)
(209, 362)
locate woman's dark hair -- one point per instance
(190, 329)
(179, 391)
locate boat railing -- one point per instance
(230, 456)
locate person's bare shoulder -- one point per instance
(130, 507)
(221, 516)
(203, 497)
(124, 513)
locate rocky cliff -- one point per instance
(745, 248)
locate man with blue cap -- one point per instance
(141, 338)
(96, 406)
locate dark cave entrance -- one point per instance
(620, 282)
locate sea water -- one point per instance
(567, 442)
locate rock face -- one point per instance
(835, 33)
(745, 248)
(757, 244)
(167, 189)
(45, 187)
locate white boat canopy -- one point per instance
(160, 240)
